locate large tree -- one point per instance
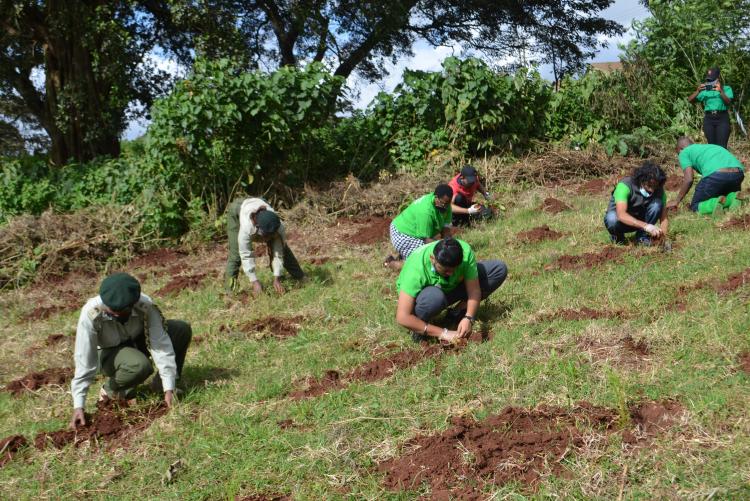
(73, 68)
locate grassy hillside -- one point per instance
(667, 329)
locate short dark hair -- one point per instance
(448, 252)
(443, 190)
(649, 171)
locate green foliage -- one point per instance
(223, 128)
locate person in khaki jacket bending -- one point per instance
(121, 330)
(253, 220)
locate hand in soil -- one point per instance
(78, 419)
(277, 286)
(464, 328)
(169, 398)
(450, 337)
(257, 288)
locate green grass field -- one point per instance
(226, 431)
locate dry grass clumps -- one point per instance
(40, 247)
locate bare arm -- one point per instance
(474, 294)
(687, 182)
(692, 97)
(406, 318)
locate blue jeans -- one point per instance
(432, 300)
(716, 185)
(618, 229)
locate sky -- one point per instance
(428, 58)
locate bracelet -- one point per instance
(471, 319)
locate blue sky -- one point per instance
(429, 58)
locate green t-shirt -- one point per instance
(712, 100)
(707, 159)
(622, 193)
(418, 272)
(421, 219)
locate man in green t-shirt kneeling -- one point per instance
(638, 202)
(441, 274)
(721, 183)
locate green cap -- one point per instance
(120, 291)
(267, 222)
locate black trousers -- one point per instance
(716, 128)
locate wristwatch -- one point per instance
(471, 319)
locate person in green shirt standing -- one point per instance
(425, 220)
(441, 274)
(716, 98)
(638, 202)
(722, 177)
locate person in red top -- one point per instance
(465, 185)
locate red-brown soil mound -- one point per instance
(538, 234)
(587, 260)
(9, 446)
(554, 206)
(738, 223)
(515, 445)
(113, 422)
(35, 380)
(584, 313)
(380, 368)
(372, 229)
(159, 258)
(594, 187)
(673, 183)
(277, 327)
(179, 283)
(733, 282)
(744, 360)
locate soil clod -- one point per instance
(594, 187)
(538, 234)
(554, 206)
(625, 351)
(372, 229)
(588, 260)
(744, 360)
(179, 283)
(734, 281)
(653, 417)
(277, 327)
(10, 446)
(35, 380)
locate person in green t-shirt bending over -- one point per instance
(637, 203)
(441, 274)
(722, 177)
(425, 220)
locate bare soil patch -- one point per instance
(584, 313)
(734, 282)
(44, 312)
(554, 206)
(673, 183)
(272, 326)
(516, 445)
(744, 361)
(538, 234)
(10, 446)
(35, 380)
(370, 230)
(179, 283)
(158, 258)
(567, 262)
(594, 187)
(624, 351)
(50, 341)
(738, 223)
(114, 422)
(380, 368)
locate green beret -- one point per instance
(120, 291)
(267, 222)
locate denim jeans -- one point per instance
(716, 185)
(618, 229)
(432, 300)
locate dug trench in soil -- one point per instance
(518, 445)
(372, 229)
(277, 327)
(567, 262)
(35, 380)
(738, 223)
(594, 187)
(177, 284)
(10, 446)
(584, 313)
(538, 234)
(744, 362)
(554, 206)
(380, 368)
(114, 422)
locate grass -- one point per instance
(226, 427)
